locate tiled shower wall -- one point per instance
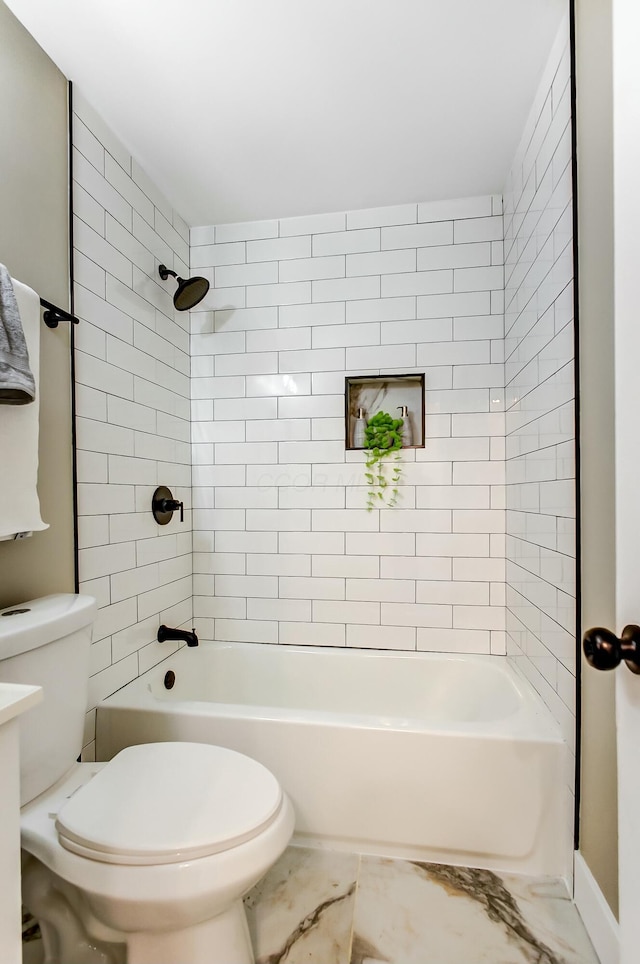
(539, 352)
(284, 548)
(132, 385)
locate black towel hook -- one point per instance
(54, 315)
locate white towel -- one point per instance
(19, 502)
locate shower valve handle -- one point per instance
(172, 505)
(604, 650)
(163, 505)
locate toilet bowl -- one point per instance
(160, 845)
(144, 859)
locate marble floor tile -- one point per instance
(550, 913)
(414, 913)
(302, 911)
(324, 907)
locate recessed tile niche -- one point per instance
(385, 393)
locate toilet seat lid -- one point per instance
(169, 802)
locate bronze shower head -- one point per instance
(190, 291)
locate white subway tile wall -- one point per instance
(540, 429)
(248, 406)
(133, 417)
(285, 550)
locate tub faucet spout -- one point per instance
(190, 638)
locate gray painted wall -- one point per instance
(34, 244)
(599, 828)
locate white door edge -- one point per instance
(626, 158)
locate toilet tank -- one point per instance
(46, 642)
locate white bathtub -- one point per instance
(415, 755)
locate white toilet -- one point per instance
(145, 859)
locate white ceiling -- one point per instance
(249, 109)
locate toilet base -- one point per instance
(222, 940)
(65, 923)
(71, 934)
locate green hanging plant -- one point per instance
(382, 443)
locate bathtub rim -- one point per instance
(530, 722)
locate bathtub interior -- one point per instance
(442, 689)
